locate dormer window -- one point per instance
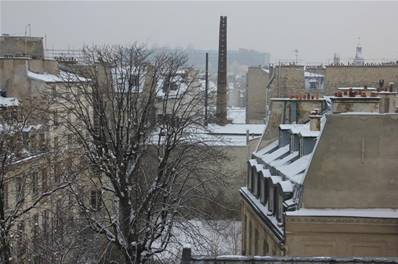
(294, 143)
(283, 138)
(253, 177)
(255, 183)
(249, 176)
(264, 191)
(259, 183)
(270, 198)
(278, 205)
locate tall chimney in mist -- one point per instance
(221, 111)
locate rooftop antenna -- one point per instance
(296, 51)
(26, 35)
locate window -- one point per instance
(20, 238)
(256, 249)
(265, 247)
(5, 194)
(249, 171)
(259, 183)
(95, 200)
(249, 249)
(244, 235)
(55, 118)
(56, 142)
(59, 220)
(264, 189)
(173, 86)
(19, 189)
(134, 80)
(42, 141)
(278, 206)
(312, 85)
(25, 139)
(35, 183)
(255, 183)
(45, 223)
(57, 176)
(253, 175)
(271, 198)
(44, 180)
(54, 91)
(35, 229)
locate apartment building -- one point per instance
(326, 186)
(41, 151)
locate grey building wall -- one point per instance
(257, 80)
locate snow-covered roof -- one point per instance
(267, 148)
(181, 87)
(267, 158)
(286, 186)
(275, 179)
(313, 75)
(294, 128)
(8, 101)
(296, 167)
(356, 88)
(63, 77)
(211, 88)
(32, 127)
(236, 129)
(309, 133)
(286, 160)
(347, 212)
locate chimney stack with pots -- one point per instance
(315, 120)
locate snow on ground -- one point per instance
(222, 237)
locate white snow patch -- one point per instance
(348, 212)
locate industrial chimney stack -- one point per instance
(221, 110)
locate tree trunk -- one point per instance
(5, 252)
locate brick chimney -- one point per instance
(221, 108)
(315, 120)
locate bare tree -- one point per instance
(138, 121)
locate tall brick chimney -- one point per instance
(221, 108)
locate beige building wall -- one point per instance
(21, 46)
(257, 238)
(341, 236)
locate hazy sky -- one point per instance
(316, 29)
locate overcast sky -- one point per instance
(316, 29)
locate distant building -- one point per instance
(325, 184)
(19, 46)
(290, 80)
(358, 60)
